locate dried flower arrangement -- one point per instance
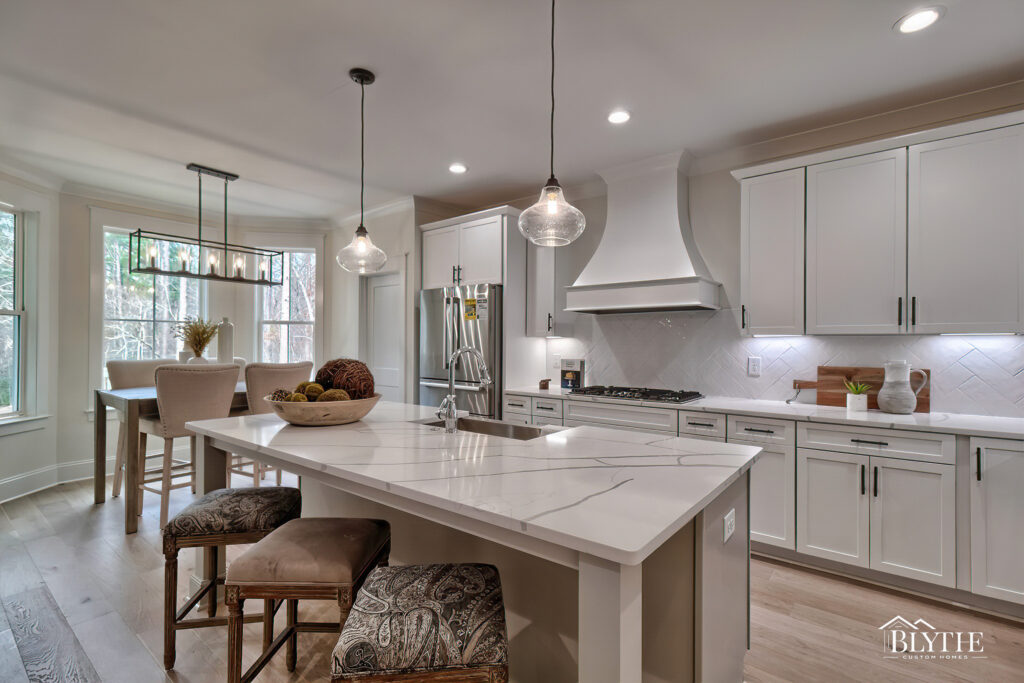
(196, 333)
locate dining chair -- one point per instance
(184, 393)
(129, 374)
(261, 379)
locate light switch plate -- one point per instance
(730, 525)
(753, 366)
(556, 361)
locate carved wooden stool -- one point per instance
(306, 559)
(222, 517)
(435, 622)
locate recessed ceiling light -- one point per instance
(919, 19)
(618, 116)
(457, 167)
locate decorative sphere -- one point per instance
(334, 395)
(349, 374)
(296, 398)
(313, 391)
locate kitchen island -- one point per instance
(624, 556)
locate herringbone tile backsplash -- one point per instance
(704, 351)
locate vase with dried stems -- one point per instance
(196, 334)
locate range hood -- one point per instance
(647, 259)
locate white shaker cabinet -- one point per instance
(440, 257)
(772, 495)
(856, 244)
(832, 505)
(913, 519)
(965, 218)
(997, 508)
(480, 251)
(772, 253)
(540, 292)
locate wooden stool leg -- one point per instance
(268, 624)
(235, 607)
(170, 606)
(165, 482)
(211, 560)
(291, 647)
(118, 461)
(278, 476)
(142, 465)
(344, 605)
(192, 454)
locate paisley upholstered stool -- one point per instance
(434, 622)
(306, 559)
(222, 517)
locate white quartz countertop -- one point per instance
(949, 423)
(614, 494)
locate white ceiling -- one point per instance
(121, 94)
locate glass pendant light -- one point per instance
(362, 255)
(552, 221)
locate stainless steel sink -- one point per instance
(506, 430)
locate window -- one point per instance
(141, 311)
(11, 313)
(286, 315)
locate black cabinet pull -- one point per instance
(759, 431)
(453, 275)
(545, 408)
(913, 310)
(979, 463)
(876, 482)
(899, 312)
(550, 320)
(460, 274)
(863, 484)
(868, 441)
(701, 424)
(743, 317)
(516, 405)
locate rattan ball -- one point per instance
(349, 374)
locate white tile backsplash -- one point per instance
(704, 350)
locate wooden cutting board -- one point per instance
(832, 391)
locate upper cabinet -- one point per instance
(857, 244)
(966, 228)
(464, 253)
(441, 257)
(772, 253)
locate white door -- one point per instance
(540, 291)
(997, 510)
(772, 253)
(965, 218)
(385, 334)
(480, 252)
(857, 245)
(913, 519)
(832, 495)
(773, 495)
(440, 257)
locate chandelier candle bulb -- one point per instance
(152, 256)
(239, 266)
(213, 264)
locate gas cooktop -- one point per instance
(639, 394)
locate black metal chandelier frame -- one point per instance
(223, 262)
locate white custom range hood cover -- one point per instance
(647, 259)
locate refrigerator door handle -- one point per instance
(458, 387)
(446, 341)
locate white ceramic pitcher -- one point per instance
(896, 394)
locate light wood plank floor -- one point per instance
(80, 601)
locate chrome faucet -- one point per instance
(447, 410)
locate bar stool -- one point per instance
(184, 393)
(306, 559)
(222, 517)
(261, 379)
(129, 374)
(434, 622)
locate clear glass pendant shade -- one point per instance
(552, 221)
(361, 255)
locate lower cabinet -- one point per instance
(516, 418)
(896, 516)
(772, 495)
(997, 509)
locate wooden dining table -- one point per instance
(133, 404)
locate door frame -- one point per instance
(364, 322)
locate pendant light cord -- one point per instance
(552, 159)
(362, 148)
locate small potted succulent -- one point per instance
(196, 334)
(857, 398)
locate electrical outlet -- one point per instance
(730, 524)
(556, 361)
(753, 366)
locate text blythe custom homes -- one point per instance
(903, 639)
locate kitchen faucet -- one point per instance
(447, 411)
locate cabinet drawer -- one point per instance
(542, 420)
(517, 404)
(547, 407)
(894, 443)
(760, 430)
(701, 424)
(516, 418)
(634, 417)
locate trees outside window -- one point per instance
(11, 313)
(286, 315)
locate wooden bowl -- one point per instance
(323, 413)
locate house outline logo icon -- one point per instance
(919, 640)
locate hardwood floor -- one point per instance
(80, 601)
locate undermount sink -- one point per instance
(506, 430)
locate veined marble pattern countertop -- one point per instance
(613, 494)
(947, 423)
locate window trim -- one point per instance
(19, 394)
(261, 321)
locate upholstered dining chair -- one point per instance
(261, 379)
(184, 393)
(129, 374)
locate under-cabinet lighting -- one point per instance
(773, 336)
(977, 334)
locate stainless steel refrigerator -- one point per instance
(453, 317)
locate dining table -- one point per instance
(133, 404)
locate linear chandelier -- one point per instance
(157, 253)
